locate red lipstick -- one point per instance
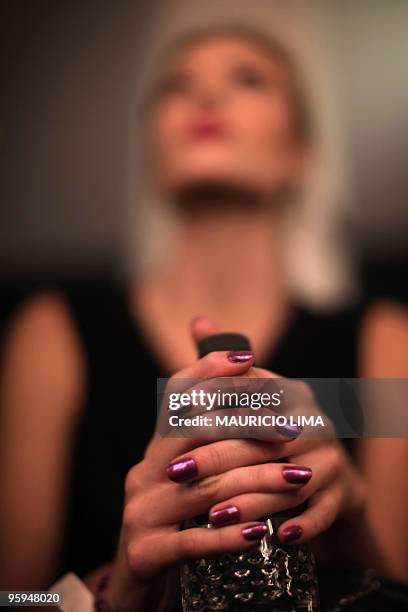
(205, 127)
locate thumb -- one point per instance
(201, 327)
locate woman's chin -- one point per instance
(238, 176)
(216, 192)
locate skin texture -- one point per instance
(44, 374)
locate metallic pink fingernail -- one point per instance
(240, 356)
(289, 431)
(182, 470)
(297, 474)
(254, 532)
(224, 516)
(289, 534)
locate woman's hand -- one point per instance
(244, 472)
(237, 481)
(161, 492)
(329, 482)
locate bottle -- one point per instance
(271, 576)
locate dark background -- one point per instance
(65, 76)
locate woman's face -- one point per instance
(224, 111)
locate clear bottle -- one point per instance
(271, 576)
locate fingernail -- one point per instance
(297, 475)
(289, 431)
(255, 532)
(289, 534)
(240, 356)
(224, 516)
(182, 470)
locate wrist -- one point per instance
(121, 591)
(102, 603)
(356, 506)
(117, 592)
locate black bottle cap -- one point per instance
(223, 342)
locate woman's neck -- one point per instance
(228, 247)
(224, 262)
(225, 265)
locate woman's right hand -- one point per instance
(158, 499)
(150, 540)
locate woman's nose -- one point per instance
(208, 95)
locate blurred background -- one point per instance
(67, 75)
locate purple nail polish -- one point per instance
(254, 532)
(289, 534)
(289, 431)
(224, 516)
(240, 356)
(182, 470)
(297, 474)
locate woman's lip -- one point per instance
(206, 129)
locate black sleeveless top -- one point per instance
(119, 414)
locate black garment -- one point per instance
(119, 414)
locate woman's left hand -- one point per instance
(330, 484)
(334, 489)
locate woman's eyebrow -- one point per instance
(249, 64)
(178, 71)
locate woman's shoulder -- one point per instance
(42, 324)
(368, 338)
(42, 354)
(382, 316)
(383, 339)
(70, 319)
(375, 329)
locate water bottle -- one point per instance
(271, 576)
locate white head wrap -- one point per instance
(318, 266)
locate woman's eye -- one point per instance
(174, 84)
(250, 77)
